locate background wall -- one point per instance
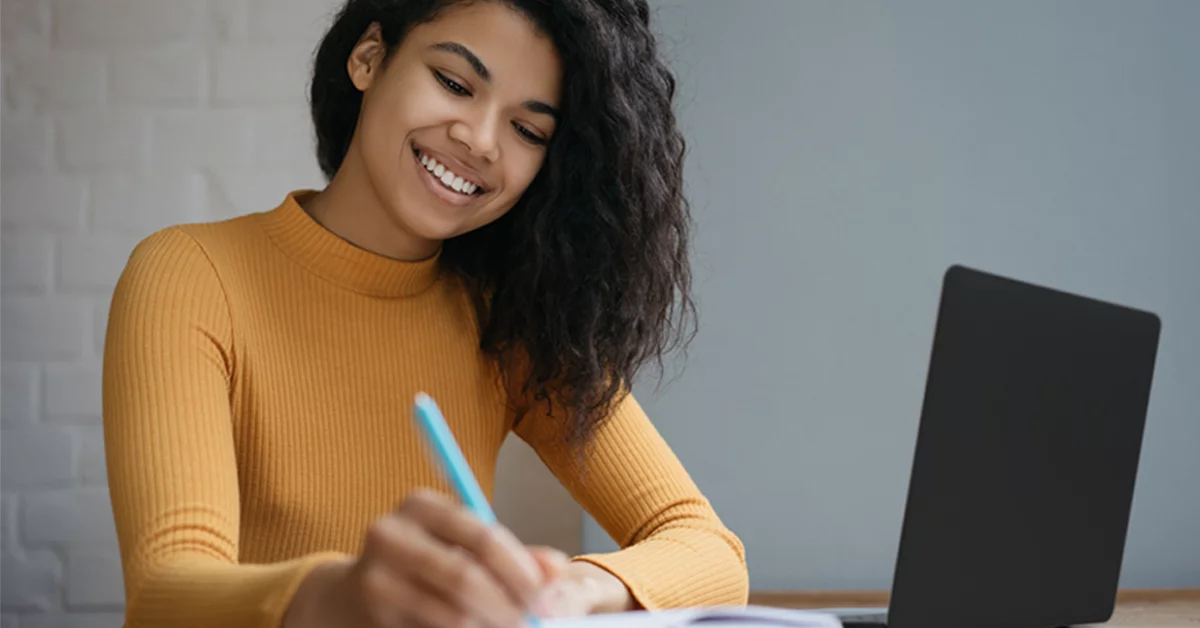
(843, 155)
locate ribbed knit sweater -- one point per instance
(259, 374)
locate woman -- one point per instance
(504, 229)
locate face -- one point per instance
(454, 124)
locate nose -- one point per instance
(480, 136)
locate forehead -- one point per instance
(518, 56)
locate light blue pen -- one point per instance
(433, 424)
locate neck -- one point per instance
(351, 209)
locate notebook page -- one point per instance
(732, 617)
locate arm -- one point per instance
(675, 550)
(169, 444)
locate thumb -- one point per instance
(552, 562)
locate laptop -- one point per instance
(1025, 461)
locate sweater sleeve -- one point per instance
(675, 550)
(170, 448)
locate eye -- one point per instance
(529, 136)
(451, 85)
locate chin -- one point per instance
(430, 225)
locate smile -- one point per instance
(449, 179)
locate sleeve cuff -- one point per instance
(606, 562)
(205, 592)
(676, 573)
(276, 605)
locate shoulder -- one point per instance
(191, 260)
(180, 250)
(168, 274)
(169, 251)
(199, 248)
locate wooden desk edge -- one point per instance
(837, 599)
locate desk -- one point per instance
(1149, 608)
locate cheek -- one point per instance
(375, 130)
(383, 126)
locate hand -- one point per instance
(567, 597)
(430, 563)
(584, 589)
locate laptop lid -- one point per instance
(1026, 457)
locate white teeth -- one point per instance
(447, 177)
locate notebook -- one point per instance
(719, 617)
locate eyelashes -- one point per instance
(457, 89)
(451, 85)
(530, 136)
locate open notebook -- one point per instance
(731, 617)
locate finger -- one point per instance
(411, 553)
(461, 577)
(417, 606)
(494, 546)
(430, 610)
(384, 596)
(552, 562)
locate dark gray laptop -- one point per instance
(1025, 461)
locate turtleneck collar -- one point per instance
(324, 253)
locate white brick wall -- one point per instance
(119, 117)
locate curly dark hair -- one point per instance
(586, 279)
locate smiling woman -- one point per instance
(432, 96)
(504, 229)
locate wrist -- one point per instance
(320, 597)
(606, 592)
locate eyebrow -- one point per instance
(538, 106)
(464, 52)
(453, 47)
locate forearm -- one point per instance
(679, 567)
(200, 590)
(677, 552)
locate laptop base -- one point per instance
(859, 617)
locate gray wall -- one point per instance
(843, 154)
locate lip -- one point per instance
(435, 187)
(463, 170)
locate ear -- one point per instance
(366, 59)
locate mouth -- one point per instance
(446, 179)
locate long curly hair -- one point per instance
(586, 280)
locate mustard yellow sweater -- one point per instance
(258, 381)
